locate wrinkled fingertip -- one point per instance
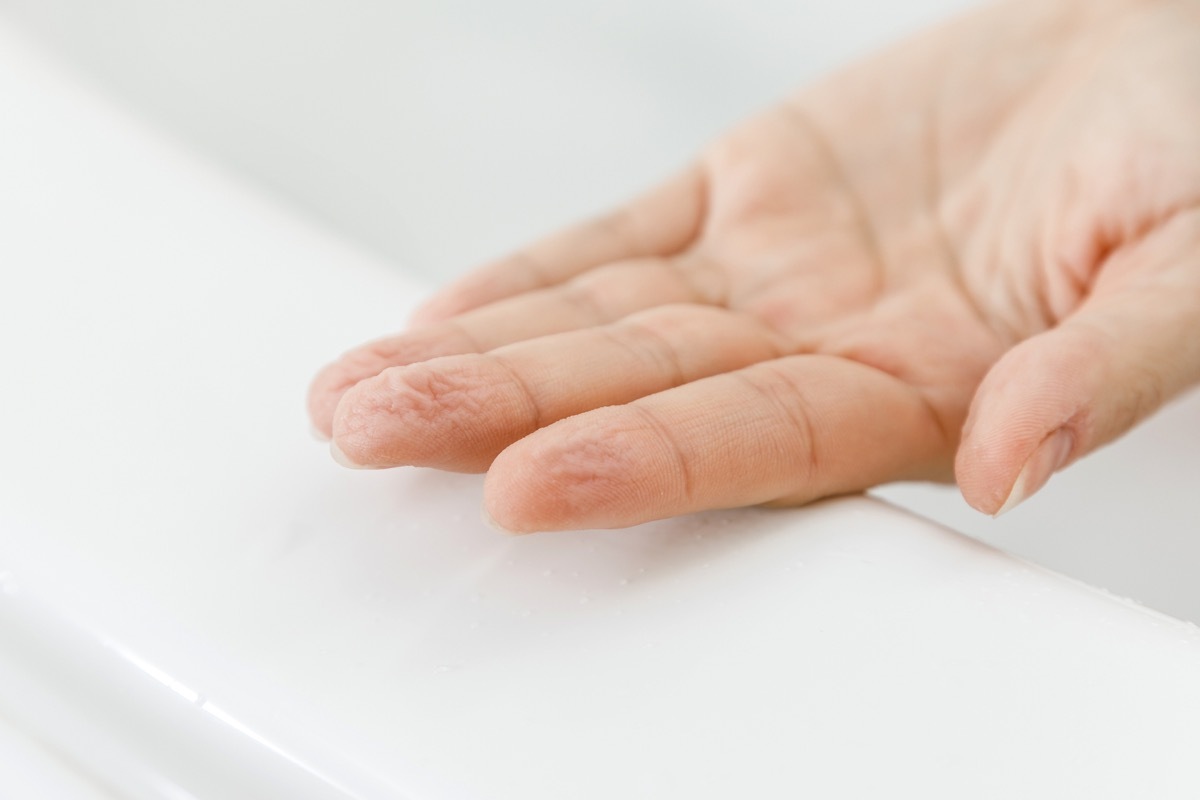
(340, 457)
(491, 522)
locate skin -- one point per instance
(975, 256)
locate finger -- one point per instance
(790, 430)
(597, 298)
(459, 412)
(1066, 392)
(661, 222)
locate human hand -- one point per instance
(976, 254)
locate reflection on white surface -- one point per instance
(364, 635)
(30, 771)
(100, 712)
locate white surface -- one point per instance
(28, 770)
(173, 544)
(1126, 518)
(444, 133)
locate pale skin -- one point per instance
(973, 257)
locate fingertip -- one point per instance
(321, 404)
(328, 387)
(367, 361)
(513, 502)
(979, 472)
(497, 526)
(1050, 456)
(547, 481)
(1033, 412)
(1002, 496)
(601, 469)
(340, 457)
(355, 440)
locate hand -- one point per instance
(977, 254)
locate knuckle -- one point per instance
(798, 420)
(585, 293)
(672, 317)
(653, 343)
(622, 225)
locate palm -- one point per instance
(811, 308)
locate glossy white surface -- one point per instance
(192, 585)
(30, 771)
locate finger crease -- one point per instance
(668, 437)
(622, 227)
(539, 273)
(659, 345)
(586, 301)
(703, 265)
(472, 342)
(533, 406)
(801, 420)
(934, 202)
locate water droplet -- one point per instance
(624, 581)
(584, 600)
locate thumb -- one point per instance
(1061, 394)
